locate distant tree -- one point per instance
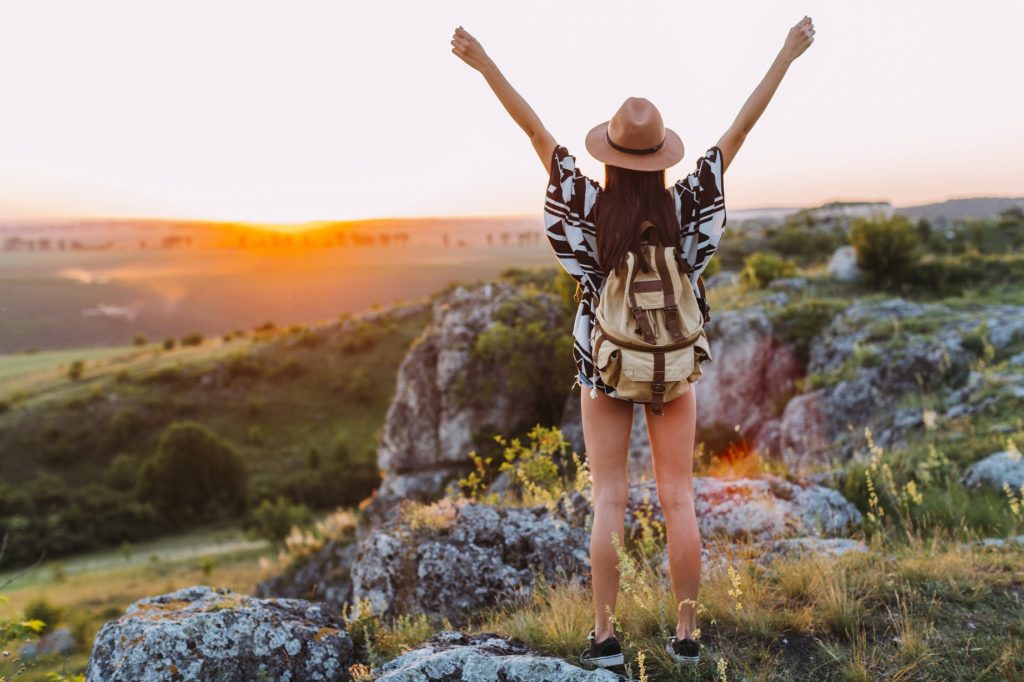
(191, 470)
(886, 248)
(169, 343)
(75, 370)
(140, 339)
(193, 339)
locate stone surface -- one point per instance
(436, 417)
(478, 556)
(198, 633)
(757, 509)
(457, 657)
(843, 264)
(1006, 467)
(57, 641)
(325, 575)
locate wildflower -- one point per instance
(736, 590)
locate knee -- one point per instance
(611, 501)
(680, 502)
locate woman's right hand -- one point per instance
(799, 39)
(468, 49)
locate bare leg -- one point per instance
(672, 441)
(607, 423)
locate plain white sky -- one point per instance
(289, 111)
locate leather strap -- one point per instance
(642, 322)
(658, 385)
(671, 309)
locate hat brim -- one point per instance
(669, 155)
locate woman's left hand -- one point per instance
(468, 49)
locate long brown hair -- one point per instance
(627, 199)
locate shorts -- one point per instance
(584, 381)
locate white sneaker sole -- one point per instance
(680, 659)
(605, 661)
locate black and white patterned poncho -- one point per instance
(569, 224)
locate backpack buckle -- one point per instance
(657, 387)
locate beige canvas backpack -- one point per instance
(649, 337)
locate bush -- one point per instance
(40, 609)
(886, 248)
(193, 339)
(122, 472)
(192, 469)
(75, 370)
(799, 322)
(168, 343)
(140, 340)
(274, 520)
(760, 268)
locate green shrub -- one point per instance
(140, 340)
(168, 343)
(41, 609)
(122, 472)
(760, 268)
(799, 322)
(75, 370)
(274, 520)
(886, 248)
(192, 469)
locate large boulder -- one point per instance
(457, 556)
(997, 470)
(755, 509)
(445, 403)
(457, 657)
(200, 633)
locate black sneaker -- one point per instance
(603, 654)
(683, 650)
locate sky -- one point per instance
(307, 110)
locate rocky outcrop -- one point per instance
(57, 641)
(199, 633)
(756, 509)
(455, 657)
(873, 354)
(325, 575)
(438, 415)
(997, 470)
(463, 556)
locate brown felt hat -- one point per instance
(635, 137)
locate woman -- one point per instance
(591, 229)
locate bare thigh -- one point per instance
(672, 437)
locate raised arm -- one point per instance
(469, 50)
(799, 39)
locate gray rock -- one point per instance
(455, 657)
(57, 641)
(788, 284)
(750, 369)
(322, 576)
(436, 417)
(198, 633)
(756, 509)
(842, 265)
(1006, 467)
(479, 555)
(725, 278)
